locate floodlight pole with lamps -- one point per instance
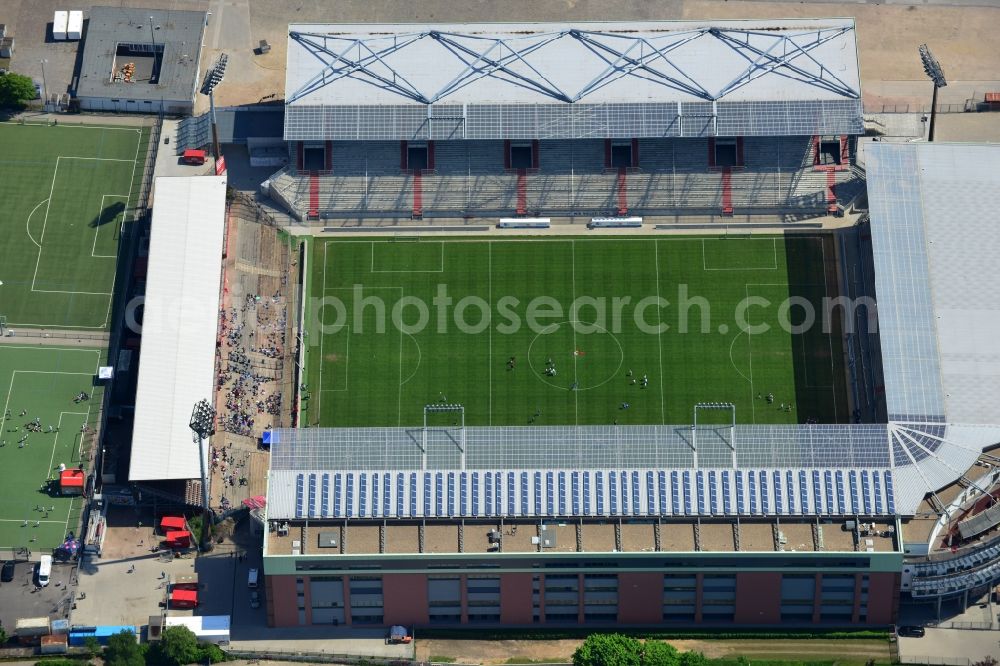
(45, 87)
(213, 77)
(933, 70)
(203, 425)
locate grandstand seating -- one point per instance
(469, 178)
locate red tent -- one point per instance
(170, 523)
(71, 482)
(183, 598)
(179, 538)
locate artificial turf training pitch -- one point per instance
(499, 365)
(42, 382)
(65, 191)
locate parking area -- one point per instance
(21, 597)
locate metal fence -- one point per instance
(55, 335)
(255, 656)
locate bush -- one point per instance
(123, 650)
(608, 650)
(16, 89)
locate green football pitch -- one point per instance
(42, 382)
(565, 331)
(65, 192)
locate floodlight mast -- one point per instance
(203, 425)
(213, 77)
(933, 70)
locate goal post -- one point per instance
(443, 407)
(400, 238)
(725, 407)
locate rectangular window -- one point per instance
(416, 157)
(621, 154)
(521, 156)
(829, 150)
(725, 152)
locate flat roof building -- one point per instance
(141, 60)
(179, 326)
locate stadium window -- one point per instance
(416, 156)
(521, 156)
(314, 157)
(829, 150)
(725, 152)
(621, 154)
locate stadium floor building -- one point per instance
(753, 525)
(557, 120)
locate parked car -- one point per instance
(255, 599)
(7, 573)
(910, 631)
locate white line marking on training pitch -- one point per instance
(97, 226)
(41, 240)
(27, 223)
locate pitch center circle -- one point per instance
(594, 345)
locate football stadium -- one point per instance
(641, 378)
(597, 324)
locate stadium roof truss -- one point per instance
(464, 81)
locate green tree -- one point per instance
(179, 645)
(608, 650)
(16, 89)
(658, 653)
(93, 646)
(123, 650)
(692, 658)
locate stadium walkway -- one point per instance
(55, 338)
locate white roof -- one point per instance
(934, 232)
(523, 63)
(180, 324)
(201, 625)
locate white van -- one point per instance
(44, 570)
(252, 579)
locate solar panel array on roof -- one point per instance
(563, 493)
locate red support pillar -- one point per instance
(727, 191)
(845, 149)
(622, 192)
(522, 192)
(418, 195)
(816, 150)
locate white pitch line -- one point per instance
(27, 223)
(97, 227)
(659, 335)
(45, 221)
(572, 324)
(489, 273)
(98, 159)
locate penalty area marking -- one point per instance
(97, 227)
